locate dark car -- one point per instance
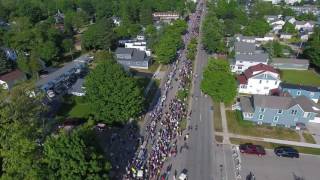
(286, 151)
(249, 148)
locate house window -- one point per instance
(275, 83)
(260, 81)
(311, 94)
(276, 119)
(293, 112)
(261, 117)
(259, 122)
(298, 93)
(280, 111)
(262, 110)
(306, 114)
(273, 124)
(265, 76)
(239, 67)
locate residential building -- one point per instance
(132, 58)
(279, 110)
(165, 16)
(285, 36)
(272, 18)
(258, 79)
(290, 19)
(8, 80)
(139, 43)
(292, 1)
(244, 48)
(245, 39)
(304, 25)
(266, 38)
(290, 63)
(306, 9)
(242, 62)
(294, 90)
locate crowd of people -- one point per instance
(163, 126)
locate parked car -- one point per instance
(286, 151)
(183, 175)
(249, 148)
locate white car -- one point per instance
(183, 175)
(50, 93)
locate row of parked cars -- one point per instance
(281, 151)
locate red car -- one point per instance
(249, 148)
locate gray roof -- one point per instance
(290, 61)
(243, 47)
(136, 55)
(285, 102)
(261, 57)
(124, 51)
(246, 104)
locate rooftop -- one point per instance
(136, 55)
(302, 87)
(290, 61)
(261, 57)
(243, 47)
(12, 76)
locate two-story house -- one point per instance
(132, 58)
(294, 90)
(278, 110)
(258, 79)
(242, 62)
(304, 25)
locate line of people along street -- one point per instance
(163, 130)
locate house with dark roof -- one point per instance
(8, 80)
(242, 62)
(294, 90)
(242, 47)
(290, 63)
(279, 110)
(132, 58)
(258, 79)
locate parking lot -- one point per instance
(271, 167)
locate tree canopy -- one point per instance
(218, 82)
(113, 95)
(311, 50)
(67, 156)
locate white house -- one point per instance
(304, 25)
(285, 36)
(242, 62)
(290, 19)
(246, 39)
(272, 18)
(258, 79)
(139, 43)
(266, 38)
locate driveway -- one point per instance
(314, 129)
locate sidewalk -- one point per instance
(151, 80)
(225, 133)
(277, 141)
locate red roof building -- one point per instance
(8, 80)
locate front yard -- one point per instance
(307, 77)
(237, 125)
(74, 107)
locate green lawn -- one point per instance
(307, 77)
(308, 137)
(217, 117)
(80, 111)
(268, 145)
(237, 125)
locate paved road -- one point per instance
(271, 167)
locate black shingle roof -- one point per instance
(302, 87)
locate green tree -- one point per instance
(274, 48)
(5, 65)
(67, 45)
(113, 96)
(192, 49)
(67, 156)
(212, 37)
(257, 27)
(99, 36)
(311, 51)
(306, 17)
(47, 51)
(218, 82)
(289, 28)
(20, 123)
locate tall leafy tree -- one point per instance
(20, 124)
(113, 96)
(311, 50)
(67, 156)
(5, 65)
(99, 35)
(218, 82)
